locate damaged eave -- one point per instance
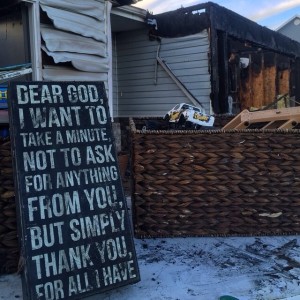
(193, 19)
(127, 18)
(130, 12)
(124, 2)
(7, 4)
(242, 28)
(180, 22)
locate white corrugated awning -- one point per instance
(82, 62)
(77, 32)
(61, 41)
(89, 8)
(76, 23)
(52, 73)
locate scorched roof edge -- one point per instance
(237, 26)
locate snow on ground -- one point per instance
(204, 268)
(248, 268)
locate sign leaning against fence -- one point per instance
(74, 226)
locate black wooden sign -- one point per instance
(75, 230)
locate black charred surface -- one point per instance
(242, 28)
(222, 58)
(124, 2)
(179, 23)
(295, 79)
(8, 5)
(194, 19)
(232, 36)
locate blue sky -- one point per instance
(270, 13)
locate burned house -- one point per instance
(203, 54)
(62, 40)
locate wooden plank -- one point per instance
(233, 123)
(270, 115)
(284, 118)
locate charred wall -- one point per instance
(273, 58)
(266, 77)
(14, 37)
(272, 62)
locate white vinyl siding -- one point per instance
(143, 91)
(114, 75)
(291, 29)
(79, 35)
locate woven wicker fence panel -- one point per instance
(215, 183)
(9, 249)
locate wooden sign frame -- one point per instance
(74, 228)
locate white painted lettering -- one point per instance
(71, 156)
(46, 235)
(98, 114)
(50, 291)
(101, 196)
(38, 182)
(38, 160)
(43, 207)
(48, 264)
